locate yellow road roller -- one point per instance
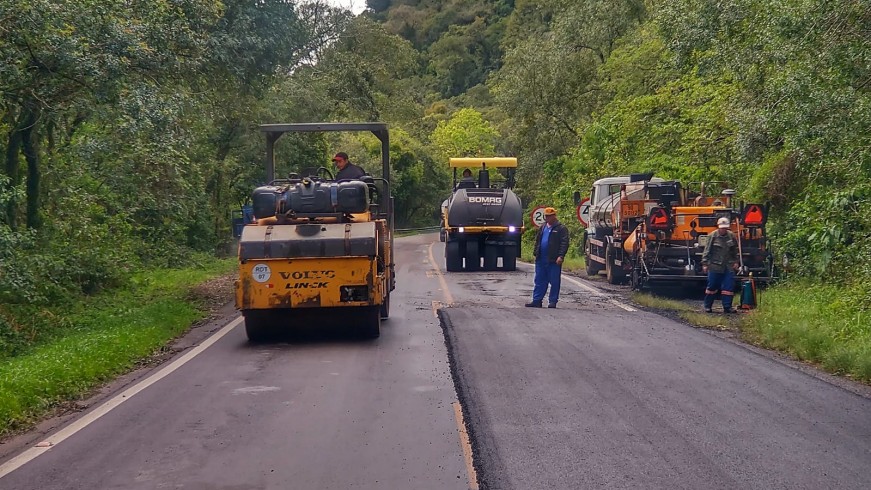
(318, 247)
(482, 221)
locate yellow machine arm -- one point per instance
(498, 162)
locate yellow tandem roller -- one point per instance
(319, 248)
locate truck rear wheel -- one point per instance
(591, 267)
(509, 258)
(453, 260)
(473, 256)
(491, 257)
(614, 273)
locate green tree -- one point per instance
(361, 75)
(463, 56)
(465, 134)
(549, 82)
(418, 181)
(249, 49)
(55, 54)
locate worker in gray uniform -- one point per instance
(720, 261)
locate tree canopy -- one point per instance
(132, 127)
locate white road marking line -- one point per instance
(599, 293)
(449, 299)
(59, 436)
(623, 305)
(256, 390)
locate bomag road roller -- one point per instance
(318, 248)
(482, 222)
(651, 231)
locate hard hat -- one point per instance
(723, 223)
(549, 212)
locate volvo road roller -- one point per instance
(318, 248)
(482, 222)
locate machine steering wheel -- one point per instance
(327, 171)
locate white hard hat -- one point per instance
(723, 223)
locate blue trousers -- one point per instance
(546, 273)
(723, 282)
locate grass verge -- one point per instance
(814, 323)
(105, 336)
(416, 231)
(688, 312)
(571, 263)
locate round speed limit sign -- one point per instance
(537, 216)
(583, 211)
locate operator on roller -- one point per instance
(467, 182)
(347, 170)
(719, 261)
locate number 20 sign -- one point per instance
(537, 216)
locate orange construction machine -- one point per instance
(646, 230)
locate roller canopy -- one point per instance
(275, 131)
(500, 162)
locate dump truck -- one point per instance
(318, 247)
(647, 231)
(482, 222)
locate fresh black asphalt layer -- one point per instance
(591, 396)
(584, 397)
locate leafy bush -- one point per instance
(827, 231)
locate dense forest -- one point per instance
(129, 129)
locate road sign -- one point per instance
(584, 211)
(537, 216)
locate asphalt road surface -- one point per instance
(593, 394)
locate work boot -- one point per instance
(727, 304)
(551, 305)
(533, 304)
(709, 302)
